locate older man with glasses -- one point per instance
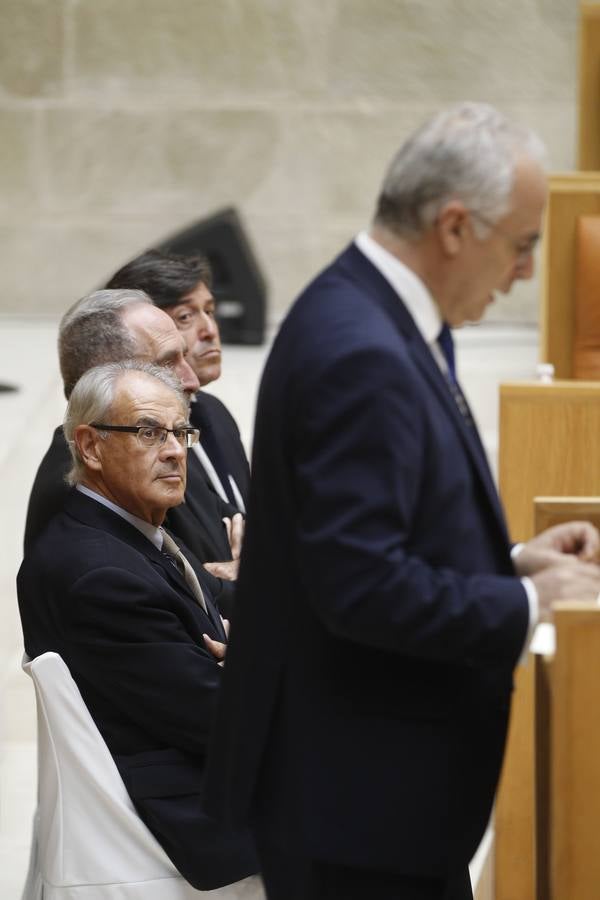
(107, 588)
(108, 326)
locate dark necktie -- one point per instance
(172, 550)
(446, 345)
(211, 447)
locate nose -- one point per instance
(521, 271)
(525, 267)
(172, 448)
(187, 376)
(207, 326)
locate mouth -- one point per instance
(171, 478)
(209, 354)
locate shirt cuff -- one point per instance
(532, 599)
(514, 552)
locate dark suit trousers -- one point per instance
(295, 878)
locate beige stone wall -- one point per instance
(122, 120)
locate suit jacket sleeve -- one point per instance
(133, 648)
(388, 505)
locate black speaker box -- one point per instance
(239, 288)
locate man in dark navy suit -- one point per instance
(365, 749)
(107, 588)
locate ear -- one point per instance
(89, 446)
(451, 225)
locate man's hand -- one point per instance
(218, 648)
(560, 545)
(235, 533)
(575, 581)
(227, 570)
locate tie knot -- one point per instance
(168, 545)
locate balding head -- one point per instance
(112, 325)
(158, 341)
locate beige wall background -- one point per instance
(123, 120)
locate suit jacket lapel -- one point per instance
(94, 514)
(381, 292)
(469, 434)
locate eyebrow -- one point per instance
(152, 421)
(169, 356)
(187, 304)
(147, 420)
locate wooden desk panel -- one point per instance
(549, 445)
(570, 195)
(589, 87)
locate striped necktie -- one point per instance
(180, 562)
(446, 345)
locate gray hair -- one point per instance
(93, 397)
(92, 333)
(467, 152)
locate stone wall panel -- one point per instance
(19, 174)
(124, 121)
(407, 50)
(129, 162)
(230, 49)
(31, 48)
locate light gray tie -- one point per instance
(169, 546)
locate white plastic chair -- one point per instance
(88, 843)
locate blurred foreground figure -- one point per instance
(106, 587)
(365, 749)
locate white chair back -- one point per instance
(91, 843)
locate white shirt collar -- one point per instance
(409, 287)
(148, 530)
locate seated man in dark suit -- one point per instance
(105, 587)
(181, 285)
(108, 326)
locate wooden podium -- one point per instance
(567, 758)
(549, 445)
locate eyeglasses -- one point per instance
(155, 435)
(522, 249)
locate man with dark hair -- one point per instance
(110, 591)
(181, 285)
(108, 326)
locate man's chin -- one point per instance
(173, 500)
(482, 308)
(172, 491)
(206, 375)
(506, 286)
